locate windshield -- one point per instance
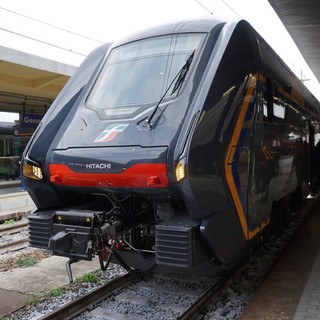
(136, 75)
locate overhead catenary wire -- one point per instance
(43, 42)
(51, 25)
(226, 4)
(203, 6)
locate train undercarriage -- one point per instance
(139, 234)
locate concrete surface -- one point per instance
(292, 289)
(15, 202)
(309, 304)
(48, 274)
(12, 301)
(17, 286)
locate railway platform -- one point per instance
(292, 289)
(13, 201)
(15, 204)
(19, 285)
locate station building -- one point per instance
(28, 86)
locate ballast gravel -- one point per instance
(9, 238)
(71, 293)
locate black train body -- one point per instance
(168, 150)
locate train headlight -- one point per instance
(31, 171)
(180, 170)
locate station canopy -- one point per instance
(29, 83)
(302, 20)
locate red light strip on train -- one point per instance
(141, 175)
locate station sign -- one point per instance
(29, 120)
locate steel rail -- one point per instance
(74, 308)
(13, 243)
(194, 311)
(11, 228)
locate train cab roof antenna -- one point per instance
(177, 81)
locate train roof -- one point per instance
(183, 26)
(6, 127)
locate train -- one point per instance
(11, 149)
(173, 150)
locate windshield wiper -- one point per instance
(182, 74)
(177, 81)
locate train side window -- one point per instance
(279, 111)
(269, 99)
(294, 114)
(266, 100)
(2, 151)
(279, 108)
(1, 148)
(285, 110)
(314, 133)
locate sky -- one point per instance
(67, 30)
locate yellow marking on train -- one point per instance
(258, 229)
(230, 155)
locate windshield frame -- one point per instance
(169, 57)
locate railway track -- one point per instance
(74, 308)
(13, 237)
(131, 295)
(15, 245)
(13, 228)
(211, 295)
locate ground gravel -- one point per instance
(71, 292)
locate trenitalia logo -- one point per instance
(110, 132)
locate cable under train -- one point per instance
(170, 150)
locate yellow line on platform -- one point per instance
(14, 197)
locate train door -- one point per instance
(262, 158)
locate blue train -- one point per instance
(173, 150)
